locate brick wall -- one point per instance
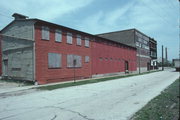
(143, 61)
(43, 47)
(108, 58)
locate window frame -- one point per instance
(69, 38)
(87, 42)
(86, 59)
(45, 32)
(71, 60)
(50, 59)
(79, 40)
(58, 32)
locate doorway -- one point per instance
(5, 67)
(126, 67)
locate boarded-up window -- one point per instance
(69, 38)
(74, 60)
(78, 40)
(54, 60)
(86, 59)
(45, 33)
(86, 42)
(58, 36)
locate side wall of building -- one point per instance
(125, 37)
(17, 51)
(44, 74)
(108, 58)
(143, 52)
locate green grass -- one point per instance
(63, 85)
(163, 107)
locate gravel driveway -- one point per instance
(111, 100)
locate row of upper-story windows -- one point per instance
(58, 37)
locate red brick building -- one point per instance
(43, 52)
(112, 57)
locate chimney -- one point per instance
(18, 16)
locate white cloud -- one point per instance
(104, 21)
(157, 19)
(44, 9)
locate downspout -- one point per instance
(34, 57)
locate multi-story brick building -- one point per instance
(153, 53)
(134, 38)
(44, 52)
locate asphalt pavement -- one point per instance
(110, 100)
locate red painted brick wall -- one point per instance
(102, 51)
(43, 47)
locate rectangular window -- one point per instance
(54, 60)
(58, 36)
(74, 61)
(69, 38)
(86, 42)
(86, 59)
(78, 40)
(45, 33)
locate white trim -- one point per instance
(143, 56)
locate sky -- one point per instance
(158, 19)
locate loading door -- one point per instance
(126, 66)
(5, 67)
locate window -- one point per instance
(73, 61)
(69, 38)
(54, 60)
(100, 58)
(58, 36)
(86, 42)
(137, 44)
(86, 59)
(78, 40)
(45, 33)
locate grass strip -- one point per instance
(163, 107)
(69, 84)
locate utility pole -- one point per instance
(166, 57)
(162, 58)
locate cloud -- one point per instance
(156, 19)
(104, 21)
(44, 9)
